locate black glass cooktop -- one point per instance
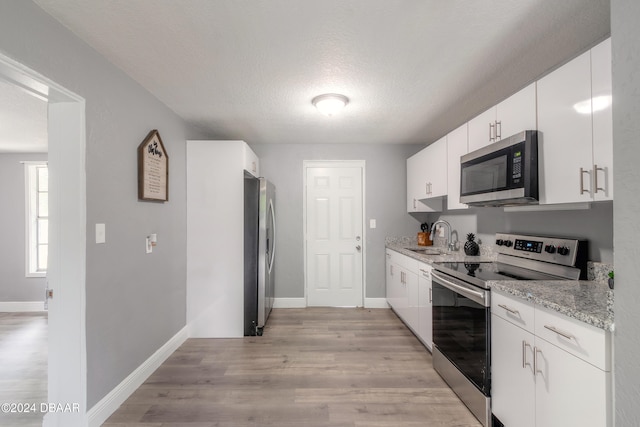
(480, 272)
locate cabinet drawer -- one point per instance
(424, 270)
(407, 263)
(591, 344)
(392, 256)
(517, 311)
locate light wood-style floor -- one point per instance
(23, 365)
(315, 367)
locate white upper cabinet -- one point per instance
(564, 148)
(513, 115)
(456, 147)
(436, 168)
(481, 130)
(517, 113)
(575, 148)
(602, 121)
(427, 178)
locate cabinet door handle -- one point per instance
(567, 335)
(510, 310)
(524, 354)
(498, 130)
(391, 269)
(582, 172)
(595, 178)
(535, 361)
(430, 296)
(425, 273)
(491, 137)
(388, 255)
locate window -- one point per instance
(37, 204)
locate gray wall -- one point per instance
(625, 36)
(14, 286)
(385, 201)
(134, 302)
(595, 225)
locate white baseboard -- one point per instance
(301, 303)
(375, 303)
(21, 306)
(102, 410)
(289, 303)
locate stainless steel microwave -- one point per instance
(503, 173)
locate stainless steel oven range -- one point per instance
(462, 307)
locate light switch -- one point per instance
(101, 233)
(372, 223)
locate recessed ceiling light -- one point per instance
(330, 103)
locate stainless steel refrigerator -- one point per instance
(259, 248)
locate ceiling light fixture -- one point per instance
(330, 103)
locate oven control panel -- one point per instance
(549, 249)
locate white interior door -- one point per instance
(334, 234)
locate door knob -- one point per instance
(358, 247)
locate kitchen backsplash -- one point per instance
(599, 271)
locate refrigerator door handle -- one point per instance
(273, 225)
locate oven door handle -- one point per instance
(462, 288)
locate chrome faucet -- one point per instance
(450, 245)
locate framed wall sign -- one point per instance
(153, 169)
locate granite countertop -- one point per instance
(590, 301)
(585, 300)
(404, 246)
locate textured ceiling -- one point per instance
(413, 69)
(23, 121)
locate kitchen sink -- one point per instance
(426, 251)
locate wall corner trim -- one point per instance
(375, 303)
(102, 410)
(21, 306)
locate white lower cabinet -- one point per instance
(425, 325)
(512, 381)
(408, 287)
(570, 391)
(547, 369)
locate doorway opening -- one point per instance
(66, 270)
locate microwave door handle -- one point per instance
(473, 295)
